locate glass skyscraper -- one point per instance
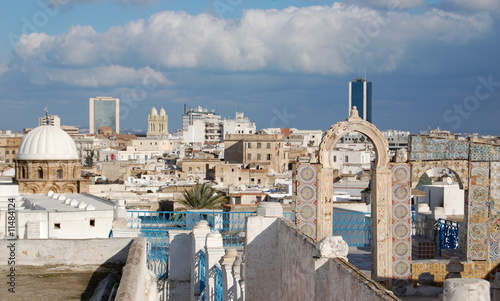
(360, 96)
(104, 111)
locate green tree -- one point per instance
(203, 196)
(424, 180)
(89, 159)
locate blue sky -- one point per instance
(284, 63)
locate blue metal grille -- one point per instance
(157, 251)
(230, 224)
(447, 234)
(219, 291)
(354, 227)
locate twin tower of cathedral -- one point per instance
(157, 123)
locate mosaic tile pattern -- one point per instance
(306, 199)
(472, 269)
(401, 221)
(477, 226)
(427, 148)
(484, 152)
(494, 214)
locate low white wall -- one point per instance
(39, 252)
(282, 264)
(137, 283)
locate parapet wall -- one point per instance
(38, 252)
(283, 264)
(137, 283)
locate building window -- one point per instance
(40, 173)
(14, 152)
(258, 181)
(237, 200)
(57, 225)
(249, 144)
(346, 159)
(221, 179)
(23, 172)
(239, 178)
(268, 145)
(7, 152)
(92, 222)
(268, 157)
(334, 158)
(252, 180)
(259, 145)
(258, 156)
(59, 173)
(249, 157)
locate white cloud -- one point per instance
(105, 76)
(387, 4)
(335, 39)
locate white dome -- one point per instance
(47, 142)
(162, 112)
(154, 112)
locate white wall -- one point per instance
(73, 225)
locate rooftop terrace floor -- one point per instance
(54, 283)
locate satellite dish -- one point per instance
(243, 187)
(449, 181)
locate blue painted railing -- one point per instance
(231, 225)
(354, 227)
(447, 234)
(219, 291)
(201, 263)
(157, 251)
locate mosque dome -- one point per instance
(154, 112)
(47, 142)
(162, 112)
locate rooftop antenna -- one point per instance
(365, 75)
(46, 114)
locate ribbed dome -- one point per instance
(47, 142)
(162, 112)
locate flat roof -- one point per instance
(44, 202)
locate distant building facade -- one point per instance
(200, 125)
(360, 96)
(53, 120)
(157, 123)
(104, 111)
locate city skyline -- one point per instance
(282, 63)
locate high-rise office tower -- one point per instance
(104, 111)
(360, 96)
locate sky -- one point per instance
(284, 63)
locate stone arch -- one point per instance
(69, 188)
(54, 188)
(459, 167)
(40, 172)
(32, 189)
(353, 124)
(385, 269)
(59, 172)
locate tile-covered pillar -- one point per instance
(477, 213)
(382, 226)
(494, 217)
(401, 221)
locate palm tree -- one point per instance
(202, 196)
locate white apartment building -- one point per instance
(200, 125)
